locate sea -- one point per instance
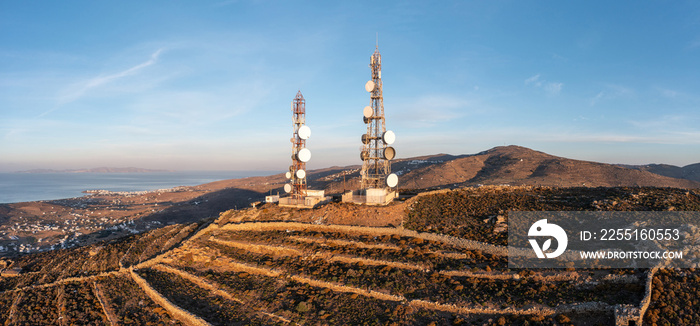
(24, 187)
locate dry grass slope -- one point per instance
(273, 266)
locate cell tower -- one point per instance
(376, 153)
(300, 154)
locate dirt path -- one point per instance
(13, 309)
(260, 249)
(207, 285)
(211, 286)
(61, 304)
(111, 316)
(376, 231)
(182, 315)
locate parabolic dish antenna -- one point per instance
(365, 139)
(304, 155)
(392, 180)
(367, 111)
(364, 155)
(287, 188)
(288, 175)
(389, 137)
(304, 132)
(369, 86)
(301, 174)
(389, 153)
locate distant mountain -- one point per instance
(511, 165)
(689, 172)
(95, 170)
(517, 165)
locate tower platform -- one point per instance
(370, 196)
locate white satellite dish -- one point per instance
(389, 153)
(301, 174)
(367, 111)
(369, 86)
(287, 188)
(364, 155)
(389, 137)
(304, 132)
(304, 155)
(288, 175)
(392, 180)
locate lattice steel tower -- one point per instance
(300, 154)
(376, 153)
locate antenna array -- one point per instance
(376, 153)
(300, 154)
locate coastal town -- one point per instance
(100, 215)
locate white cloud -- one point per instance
(97, 81)
(669, 93)
(665, 122)
(552, 88)
(79, 89)
(613, 91)
(597, 98)
(533, 79)
(430, 110)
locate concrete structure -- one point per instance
(371, 196)
(306, 202)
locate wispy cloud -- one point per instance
(431, 110)
(552, 88)
(80, 89)
(534, 80)
(613, 91)
(101, 80)
(665, 122)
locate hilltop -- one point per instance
(506, 165)
(28, 227)
(689, 172)
(445, 264)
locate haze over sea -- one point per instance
(23, 187)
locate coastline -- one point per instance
(30, 187)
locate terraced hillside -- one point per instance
(271, 266)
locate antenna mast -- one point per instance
(376, 153)
(300, 154)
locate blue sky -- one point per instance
(197, 85)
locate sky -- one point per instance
(207, 85)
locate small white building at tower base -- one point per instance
(312, 198)
(370, 196)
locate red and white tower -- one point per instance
(300, 154)
(376, 153)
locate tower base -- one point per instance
(371, 196)
(316, 197)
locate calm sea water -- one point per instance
(22, 187)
